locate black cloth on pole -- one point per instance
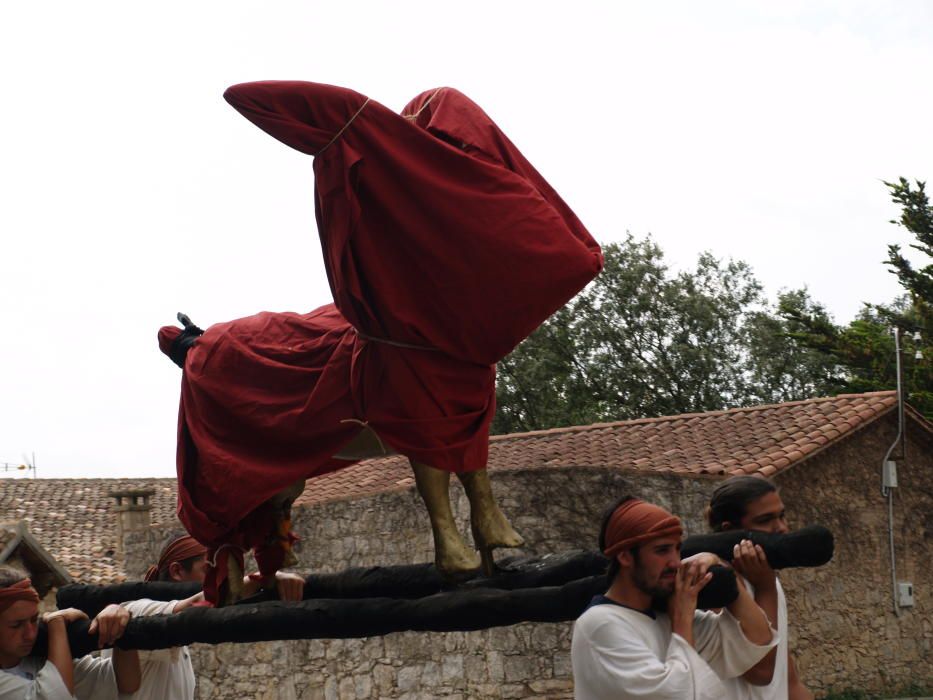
(808, 546)
(93, 599)
(404, 581)
(460, 610)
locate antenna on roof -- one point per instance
(26, 465)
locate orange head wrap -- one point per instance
(635, 522)
(21, 590)
(185, 547)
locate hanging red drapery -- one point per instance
(444, 248)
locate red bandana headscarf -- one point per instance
(183, 548)
(635, 522)
(21, 590)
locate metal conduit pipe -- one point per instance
(886, 490)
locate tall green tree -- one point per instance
(777, 367)
(916, 217)
(644, 341)
(863, 350)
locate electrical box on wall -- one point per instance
(889, 477)
(905, 594)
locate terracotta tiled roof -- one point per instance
(74, 519)
(758, 440)
(17, 541)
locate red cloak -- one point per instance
(268, 399)
(461, 246)
(444, 249)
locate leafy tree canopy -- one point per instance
(863, 350)
(642, 341)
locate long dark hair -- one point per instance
(729, 501)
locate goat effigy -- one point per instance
(444, 248)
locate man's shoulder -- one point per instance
(33, 664)
(751, 589)
(94, 663)
(612, 628)
(30, 665)
(597, 615)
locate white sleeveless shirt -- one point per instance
(779, 687)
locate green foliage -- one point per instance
(643, 341)
(916, 217)
(864, 349)
(909, 691)
(781, 369)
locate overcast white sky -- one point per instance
(129, 190)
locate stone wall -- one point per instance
(843, 629)
(142, 546)
(554, 509)
(844, 632)
(523, 661)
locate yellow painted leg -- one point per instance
(491, 529)
(452, 556)
(234, 580)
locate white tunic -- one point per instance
(779, 687)
(167, 674)
(619, 653)
(36, 679)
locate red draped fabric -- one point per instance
(444, 248)
(268, 399)
(459, 246)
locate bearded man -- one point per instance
(625, 647)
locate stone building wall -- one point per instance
(554, 509)
(142, 546)
(844, 633)
(843, 630)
